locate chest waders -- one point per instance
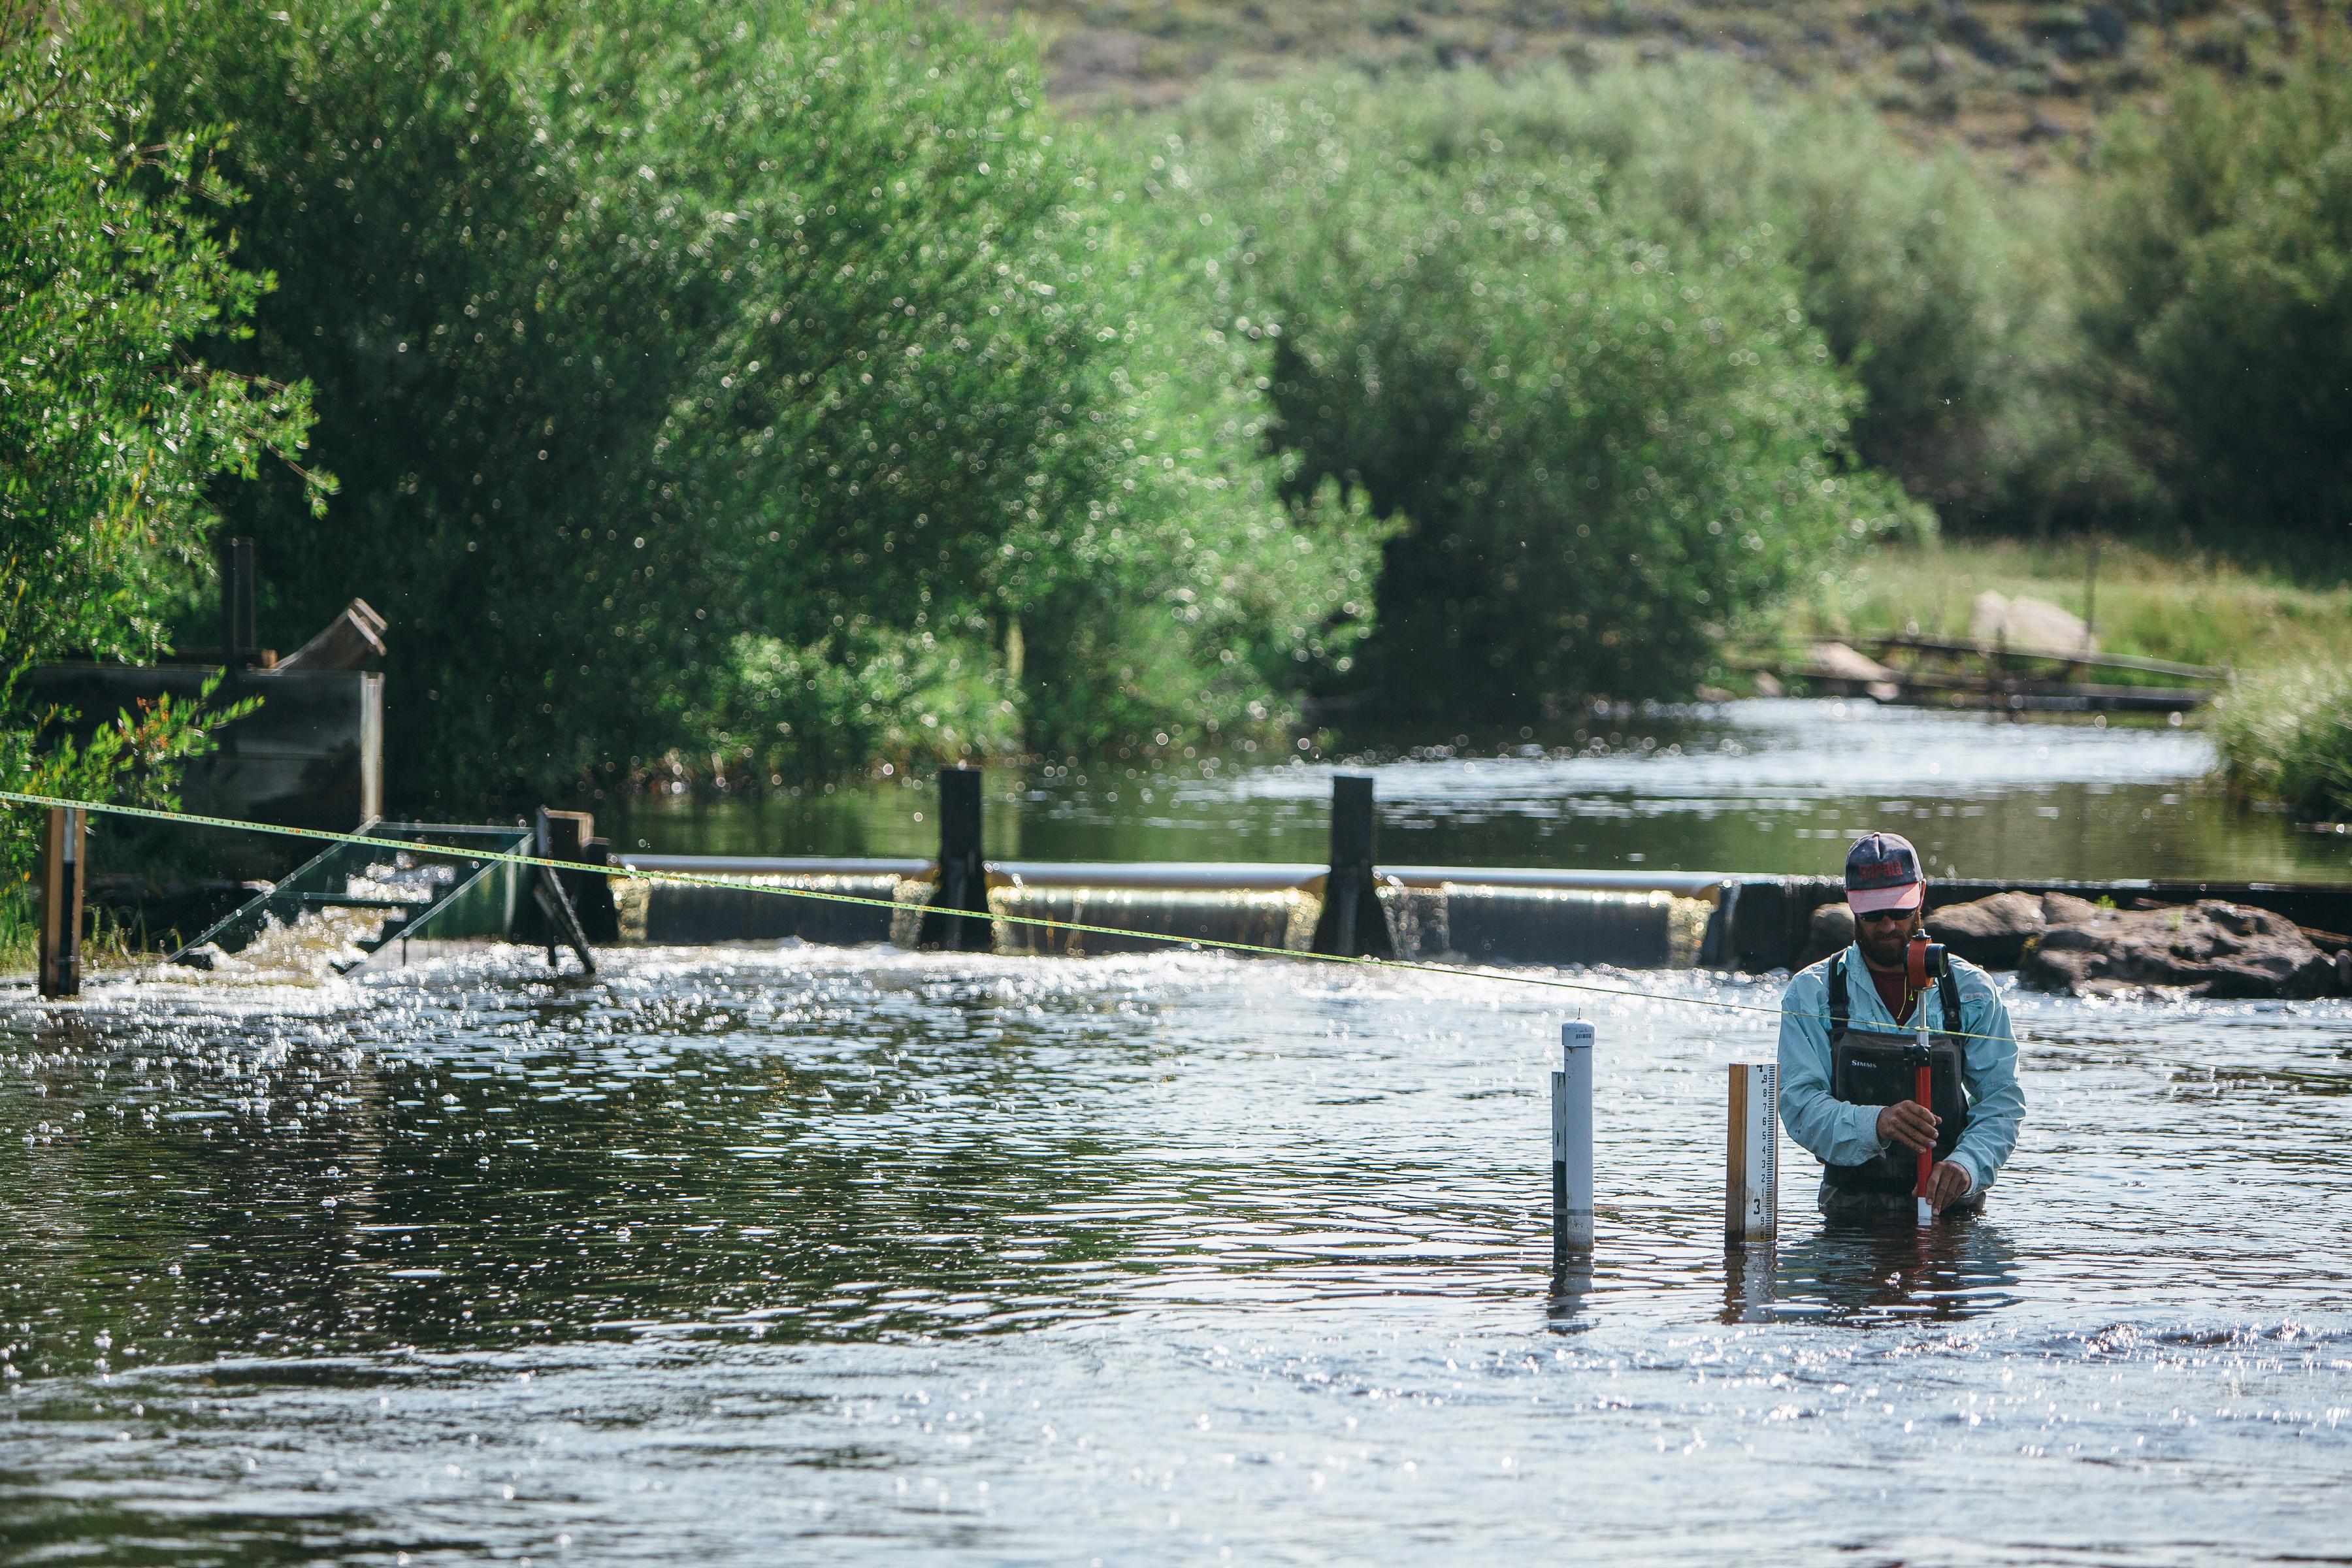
(1872, 1066)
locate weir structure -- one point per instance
(448, 887)
(447, 883)
(419, 887)
(426, 885)
(1349, 906)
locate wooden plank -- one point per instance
(61, 895)
(2057, 655)
(352, 640)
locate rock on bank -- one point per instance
(2059, 943)
(2210, 948)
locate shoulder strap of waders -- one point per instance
(1838, 1008)
(1947, 986)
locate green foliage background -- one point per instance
(755, 391)
(732, 381)
(114, 433)
(1612, 437)
(1926, 283)
(2216, 301)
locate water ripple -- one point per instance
(792, 1254)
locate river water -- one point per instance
(1770, 786)
(792, 1255)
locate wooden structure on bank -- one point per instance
(310, 756)
(446, 883)
(1946, 672)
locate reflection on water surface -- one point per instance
(791, 1255)
(1780, 787)
(740, 1256)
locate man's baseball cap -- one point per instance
(1881, 872)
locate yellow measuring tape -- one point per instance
(688, 879)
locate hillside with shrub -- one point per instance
(2021, 80)
(2153, 349)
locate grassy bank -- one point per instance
(19, 936)
(2284, 728)
(2287, 737)
(2182, 605)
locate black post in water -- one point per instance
(556, 836)
(957, 918)
(1352, 925)
(571, 836)
(239, 640)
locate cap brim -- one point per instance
(1870, 901)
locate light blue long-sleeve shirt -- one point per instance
(1843, 1134)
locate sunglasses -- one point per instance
(1876, 917)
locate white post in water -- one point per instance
(1571, 1145)
(1752, 1196)
(1926, 1097)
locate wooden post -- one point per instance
(1352, 925)
(1752, 1196)
(61, 887)
(2091, 596)
(957, 919)
(2080, 669)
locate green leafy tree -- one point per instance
(737, 378)
(1940, 295)
(116, 431)
(1607, 452)
(2217, 294)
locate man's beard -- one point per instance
(1885, 952)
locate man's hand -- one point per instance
(1909, 1124)
(1947, 1184)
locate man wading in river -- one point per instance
(1844, 1014)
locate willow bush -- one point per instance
(118, 429)
(1941, 293)
(2216, 292)
(1605, 451)
(737, 377)
(1941, 296)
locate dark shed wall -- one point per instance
(311, 757)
